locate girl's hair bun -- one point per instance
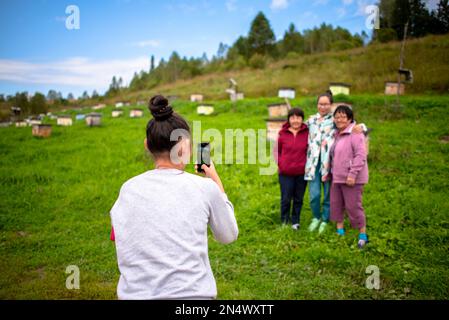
(159, 108)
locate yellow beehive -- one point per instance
(205, 109)
(339, 88)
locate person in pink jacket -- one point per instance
(349, 171)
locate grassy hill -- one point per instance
(56, 194)
(366, 69)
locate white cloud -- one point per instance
(278, 4)
(146, 43)
(77, 71)
(347, 2)
(231, 5)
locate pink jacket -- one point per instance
(348, 157)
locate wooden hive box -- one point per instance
(196, 97)
(64, 121)
(391, 88)
(41, 130)
(20, 124)
(136, 113)
(277, 110)
(93, 119)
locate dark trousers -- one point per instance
(292, 188)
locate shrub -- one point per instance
(257, 61)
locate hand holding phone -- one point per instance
(206, 166)
(203, 156)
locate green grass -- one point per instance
(56, 193)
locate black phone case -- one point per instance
(203, 147)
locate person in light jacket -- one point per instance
(161, 217)
(321, 137)
(349, 170)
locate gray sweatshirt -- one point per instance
(160, 222)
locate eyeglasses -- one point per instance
(340, 117)
(323, 104)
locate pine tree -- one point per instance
(261, 37)
(38, 104)
(293, 41)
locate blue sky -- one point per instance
(117, 37)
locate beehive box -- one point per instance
(116, 113)
(64, 121)
(391, 88)
(20, 124)
(277, 110)
(205, 109)
(287, 93)
(339, 88)
(136, 113)
(93, 119)
(196, 97)
(41, 130)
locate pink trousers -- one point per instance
(350, 198)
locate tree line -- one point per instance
(394, 14)
(254, 50)
(258, 48)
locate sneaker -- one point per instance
(295, 226)
(314, 224)
(363, 240)
(341, 232)
(322, 228)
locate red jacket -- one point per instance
(292, 150)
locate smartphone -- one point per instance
(203, 155)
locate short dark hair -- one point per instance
(327, 94)
(346, 110)
(164, 121)
(295, 112)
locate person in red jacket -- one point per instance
(291, 155)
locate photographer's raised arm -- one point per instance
(222, 220)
